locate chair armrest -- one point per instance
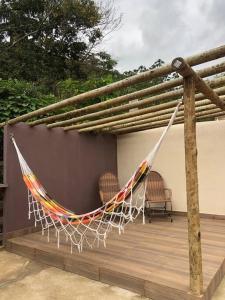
(168, 193)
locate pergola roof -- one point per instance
(119, 115)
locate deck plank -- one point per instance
(150, 259)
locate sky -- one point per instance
(165, 29)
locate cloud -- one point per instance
(153, 29)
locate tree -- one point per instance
(50, 40)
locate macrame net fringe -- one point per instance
(90, 229)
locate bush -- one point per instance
(18, 98)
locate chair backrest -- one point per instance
(108, 186)
(155, 189)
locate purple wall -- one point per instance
(68, 164)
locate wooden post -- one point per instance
(194, 234)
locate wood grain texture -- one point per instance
(212, 70)
(143, 111)
(144, 76)
(142, 104)
(150, 259)
(194, 233)
(185, 70)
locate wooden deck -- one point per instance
(150, 259)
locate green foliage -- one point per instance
(50, 40)
(20, 97)
(70, 87)
(47, 54)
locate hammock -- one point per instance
(93, 227)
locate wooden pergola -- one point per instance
(202, 99)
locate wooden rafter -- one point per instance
(183, 68)
(121, 118)
(206, 108)
(200, 115)
(145, 76)
(86, 111)
(126, 107)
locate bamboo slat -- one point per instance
(153, 111)
(165, 117)
(162, 71)
(216, 112)
(160, 113)
(212, 70)
(119, 109)
(168, 95)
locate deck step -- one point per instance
(150, 259)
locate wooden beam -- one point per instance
(120, 119)
(134, 129)
(211, 113)
(119, 109)
(112, 102)
(194, 232)
(143, 122)
(150, 74)
(209, 71)
(162, 71)
(182, 67)
(165, 117)
(149, 117)
(101, 123)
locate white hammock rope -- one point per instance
(91, 229)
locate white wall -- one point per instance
(132, 148)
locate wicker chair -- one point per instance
(158, 198)
(108, 186)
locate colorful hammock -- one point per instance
(92, 227)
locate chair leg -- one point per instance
(148, 211)
(169, 212)
(149, 214)
(171, 209)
